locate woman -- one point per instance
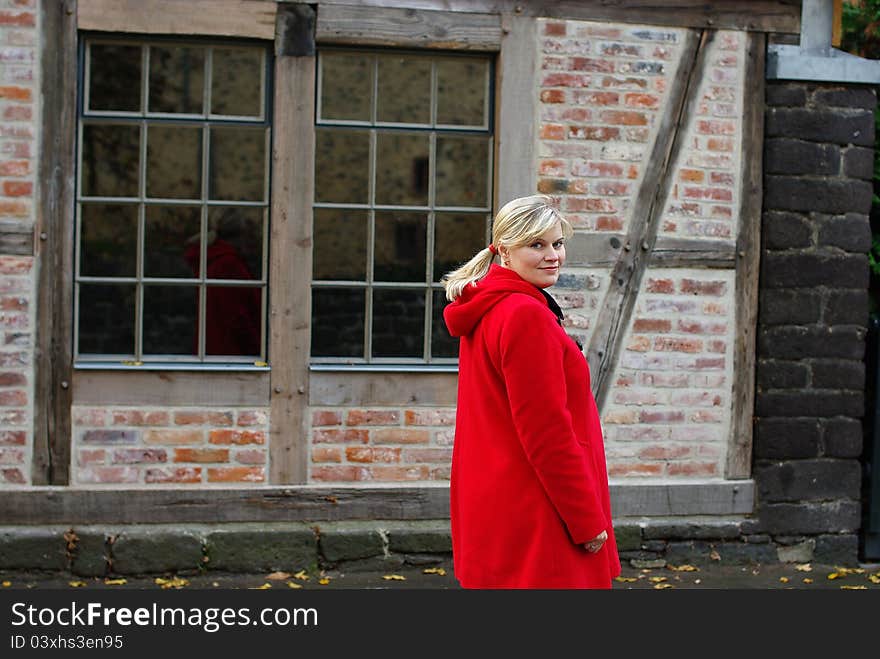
(529, 499)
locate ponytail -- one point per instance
(472, 271)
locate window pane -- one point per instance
(398, 323)
(462, 171)
(340, 245)
(442, 344)
(171, 241)
(461, 91)
(106, 319)
(238, 164)
(342, 166)
(346, 86)
(174, 162)
(115, 77)
(235, 238)
(170, 320)
(404, 90)
(402, 169)
(237, 82)
(232, 323)
(177, 79)
(108, 240)
(400, 247)
(110, 157)
(457, 237)
(338, 322)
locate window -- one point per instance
(172, 202)
(403, 178)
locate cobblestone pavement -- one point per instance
(777, 577)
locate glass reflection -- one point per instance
(170, 320)
(108, 240)
(174, 162)
(241, 229)
(338, 322)
(232, 320)
(398, 323)
(462, 91)
(171, 233)
(462, 171)
(238, 164)
(400, 246)
(457, 237)
(346, 86)
(177, 79)
(114, 77)
(106, 319)
(237, 82)
(342, 169)
(110, 160)
(402, 169)
(340, 244)
(404, 90)
(442, 344)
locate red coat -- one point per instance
(529, 482)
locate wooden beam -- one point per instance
(415, 28)
(516, 102)
(692, 253)
(594, 250)
(16, 237)
(223, 18)
(739, 453)
(55, 207)
(46, 505)
(290, 269)
(626, 275)
(751, 15)
(383, 389)
(171, 388)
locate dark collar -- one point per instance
(554, 306)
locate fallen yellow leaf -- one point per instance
(7, 584)
(278, 576)
(174, 582)
(657, 579)
(783, 579)
(854, 588)
(115, 582)
(394, 577)
(835, 575)
(291, 584)
(301, 575)
(807, 580)
(804, 567)
(324, 581)
(434, 570)
(714, 555)
(683, 568)
(661, 586)
(265, 586)
(873, 578)
(625, 579)
(76, 584)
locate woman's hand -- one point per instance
(596, 543)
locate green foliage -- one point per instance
(860, 29)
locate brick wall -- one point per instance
(813, 313)
(18, 109)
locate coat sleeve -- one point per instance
(533, 371)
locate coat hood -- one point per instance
(465, 313)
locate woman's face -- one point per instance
(538, 262)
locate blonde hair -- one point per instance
(519, 222)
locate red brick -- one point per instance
(174, 436)
(697, 327)
(695, 399)
(620, 416)
(554, 29)
(252, 418)
(17, 19)
(15, 168)
(638, 397)
(675, 380)
(347, 436)
(552, 132)
(692, 469)
(692, 175)
(251, 457)
(591, 205)
(664, 452)
(397, 474)
(596, 133)
(326, 418)
(714, 309)
(552, 168)
(340, 473)
(326, 454)
(139, 418)
(717, 346)
(372, 418)
(633, 469)
(15, 93)
(237, 437)
(12, 437)
(372, 454)
(17, 188)
(552, 96)
(721, 178)
(89, 457)
(603, 169)
(724, 212)
(400, 436)
(709, 363)
(649, 101)
(565, 80)
(444, 437)
(596, 98)
(174, 475)
(13, 398)
(624, 118)
(97, 474)
(441, 473)
(661, 286)
(431, 455)
(139, 455)
(578, 115)
(189, 417)
(14, 208)
(201, 455)
(110, 436)
(624, 83)
(652, 325)
(670, 344)
(84, 416)
(591, 64)
(639, 344)
(13, 303)
(429, 417)
(673, 416)
(611, 188)
(696, 287)
(236, 474)
(719, 144)
(11, 456)
(609, 223)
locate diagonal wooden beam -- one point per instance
(626, 275)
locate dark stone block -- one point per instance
(862, 98)
(781, 230)
(858, 162)
(821, 125)
(628, 536)
(724, 553)
(846, 307)
(269, 549)
(371, 564)
(794, 95)
(792, 156)
(810, 403)
(808, 480)
(783, 270)
(840, 550)
(850, 232)
(810, 518)
(787, 438)
(344, 544)
(434, 538)
(141, 550)
(823, 195)
(90, 555)
(33, 549)
(693, 530)
(781, 306)
(838, 374)
(775, 374)
(793, 342)
(842, 438)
